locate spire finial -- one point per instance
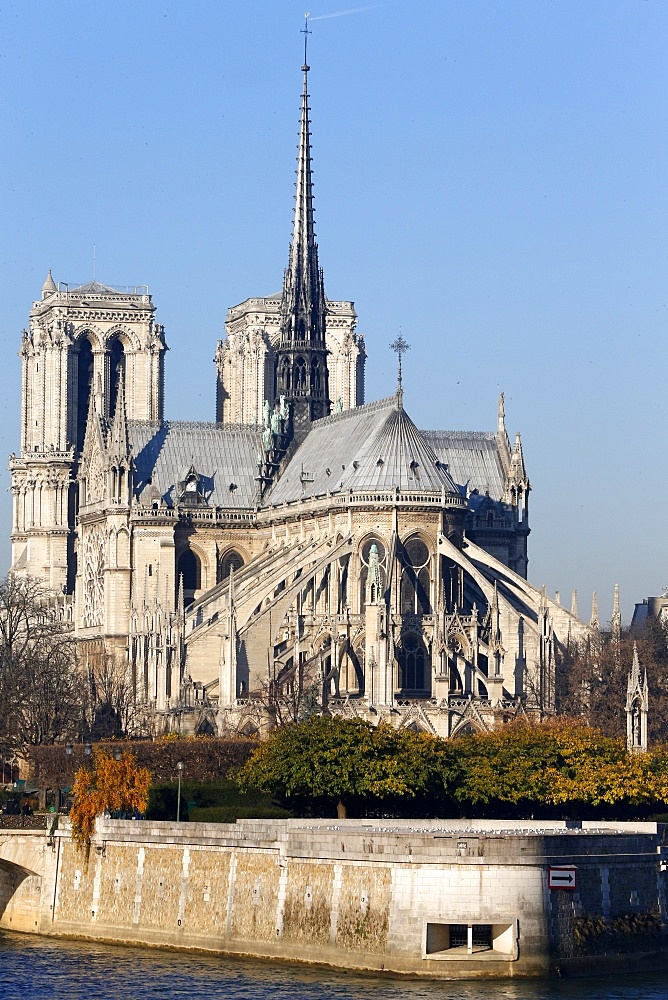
(616, 622)
(595, 622)
(305, 32)
(501, 414)
(400, 346)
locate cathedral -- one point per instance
(305, 544)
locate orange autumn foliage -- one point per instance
(109, 786)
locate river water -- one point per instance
(44, 969)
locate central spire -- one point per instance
(301, 360)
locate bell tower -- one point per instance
(82, 340)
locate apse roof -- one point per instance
(472, 458)
(224, 457)
(376, 446)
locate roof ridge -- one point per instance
(479, 435)
(195, 425)
(376, 404)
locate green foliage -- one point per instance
(230, 814)
(328, 760)
(215, 802)
(557, 769)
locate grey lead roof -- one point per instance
(224, 457)
(376, 446)
(472, 458)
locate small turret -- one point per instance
(49, 286)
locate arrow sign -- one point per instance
(562, 878)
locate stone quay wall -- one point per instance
(441, 899)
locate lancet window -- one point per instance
(230, 560)
(412, 659)
(116, 373)
(83, 358)
(414, 598)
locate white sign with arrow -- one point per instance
(562, 878)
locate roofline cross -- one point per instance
(400, 346)
(305, 32)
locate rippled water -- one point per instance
(44, 969)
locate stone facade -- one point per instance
(245, 360)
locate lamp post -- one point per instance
(179, 769)
(62, 792)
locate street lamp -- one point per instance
(179, 768)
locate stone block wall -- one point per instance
(442, 900)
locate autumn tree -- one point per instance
(559, 768)
(39, 685)
(110, 785)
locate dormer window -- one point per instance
(191, 488)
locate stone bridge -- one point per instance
(27, 869)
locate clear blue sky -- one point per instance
(490, 178)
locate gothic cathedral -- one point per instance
(306, 542)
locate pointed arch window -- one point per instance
(231, 560)
(315, 375)
(116, 373)
(412, 659)
(300, 375)
(84, 381)
(190, 568)
(285, 376)
(415, 581)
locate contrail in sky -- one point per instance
(340, 13)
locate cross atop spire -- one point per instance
(400, 346)
(305, 32)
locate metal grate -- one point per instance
(459, 935)
(482, 936)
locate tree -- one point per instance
(39, 690)
(112, 786)
(592, 678)
(111, 708)
(328, 761)
(560, 768)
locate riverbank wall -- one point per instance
(441, 899)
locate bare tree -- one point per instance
(39, 689)
(592, 678)
(111, 707)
